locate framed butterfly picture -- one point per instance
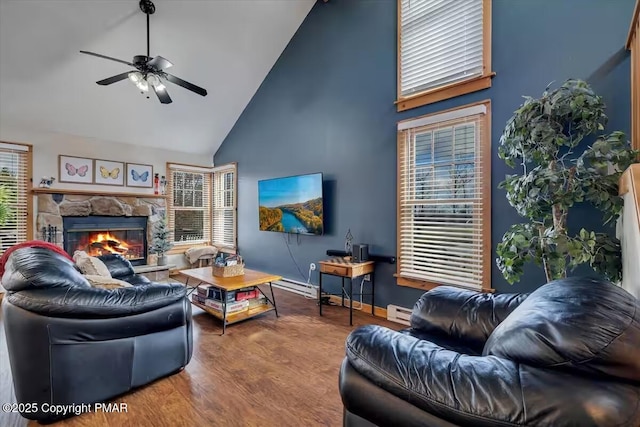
(139, 175)
(78, 170)
(109, 172)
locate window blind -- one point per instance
(443, 198)
(224, 206)
(15, 167)
(189, 206)
(441, 42)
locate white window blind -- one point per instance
(224, 206)
(15, 164)
(189, 206)
(442, 198)
(441, 42)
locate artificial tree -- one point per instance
(544, 137)
(160, 240)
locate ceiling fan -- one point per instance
(149, 72)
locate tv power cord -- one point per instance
(292, 257)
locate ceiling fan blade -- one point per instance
(107, 57)
(114, 79)
(163, 96)
(159, 63)
(186, 85)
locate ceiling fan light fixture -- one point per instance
(135, 76)
(143, 85)
(153, 80)
(160, 86)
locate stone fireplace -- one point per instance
(99, 223)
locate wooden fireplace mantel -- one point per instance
(95, 193)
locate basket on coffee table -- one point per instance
(228, 271)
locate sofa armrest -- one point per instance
(463, 314)
(467, 390)
(118, 265)
(95, 303)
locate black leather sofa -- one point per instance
(568, 354)
(71, 343)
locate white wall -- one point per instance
(48, 145)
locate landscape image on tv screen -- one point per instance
(292, 204)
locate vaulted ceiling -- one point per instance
(225, 46)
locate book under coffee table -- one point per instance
(250, 279)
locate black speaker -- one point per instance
(360, 252)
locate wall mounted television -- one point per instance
(291, 204)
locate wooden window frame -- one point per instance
(225, 168)
(452, 90)
(28, 185)
(181, 247)
(486, 206)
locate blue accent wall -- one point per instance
(328, 106)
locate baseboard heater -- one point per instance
(399, 314)
(300, 288)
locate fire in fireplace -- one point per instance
(103, 243)
(100, 235)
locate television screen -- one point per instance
(292, 204)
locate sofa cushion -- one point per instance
(90, 265)
(462, 315)
(118, 265)
(36, 268)
(576, 324)
(106, 282)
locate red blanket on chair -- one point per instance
(31, 244)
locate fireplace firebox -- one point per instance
(100, 235)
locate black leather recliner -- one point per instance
(568, 354)
(71, 343)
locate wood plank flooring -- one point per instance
(262, 372)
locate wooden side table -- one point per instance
(346, 269)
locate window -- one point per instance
(202, 205)
(190, 206)
(444, 50)
(444, 199)
(15, 179)
(224, 206)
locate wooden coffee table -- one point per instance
(250, 279)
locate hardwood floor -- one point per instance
(262, 372)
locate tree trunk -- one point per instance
(559, 217)
(545, 264)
